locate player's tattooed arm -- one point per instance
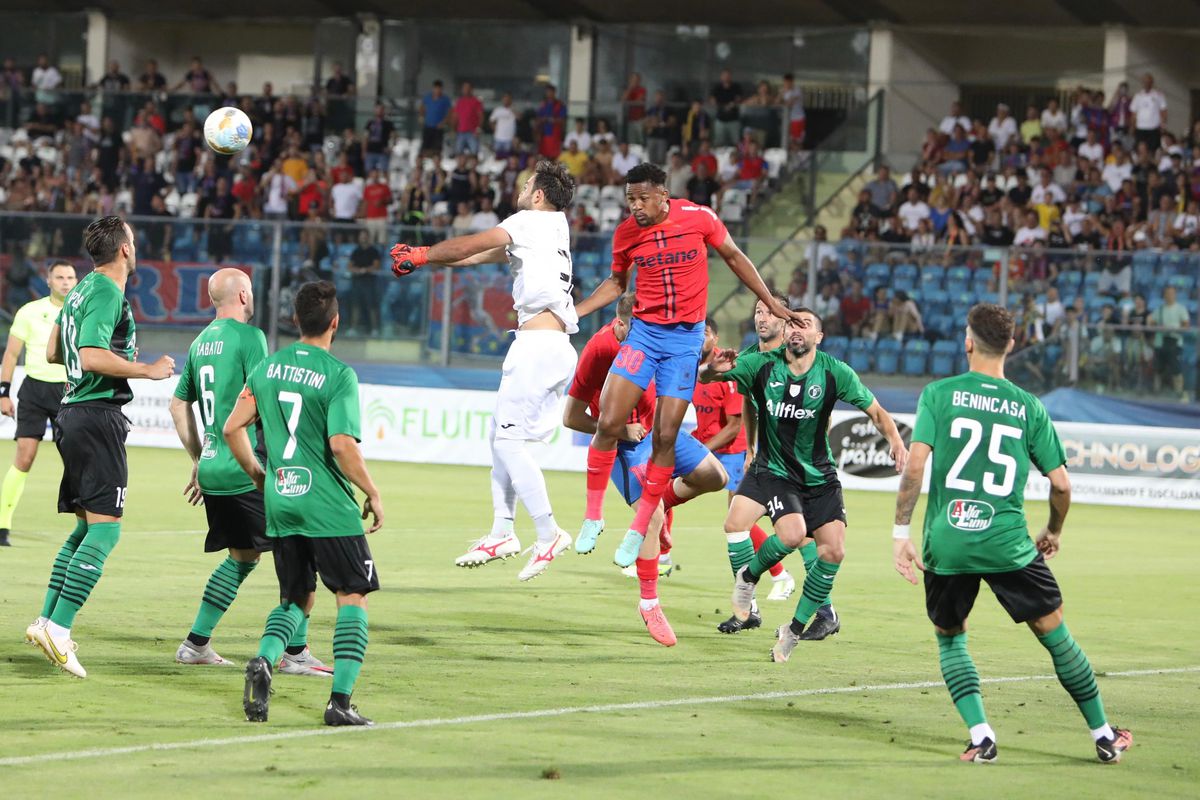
(609, 290)
(904, 554)
(244, 414)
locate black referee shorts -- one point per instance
(344, 563)
(38, 403)
(236, 520)
(95, 472)
(1026, 594)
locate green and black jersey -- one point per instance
(793, 411)
(96, 314)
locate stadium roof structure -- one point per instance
(1172, 14)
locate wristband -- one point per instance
(5, 388)
(900, 531)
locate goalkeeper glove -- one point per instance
(406, 259)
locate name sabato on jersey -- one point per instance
(983, 402)
(293, 374)
(210, 348)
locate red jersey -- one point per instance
(376, 197)
(672, 262)
(715, 403)
(591, 371)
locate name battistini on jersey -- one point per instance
(786, 410)
(983, 402)
(293, 374)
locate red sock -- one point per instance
(757, 537)
(664, 536)
(653, 485)
(599, 466)
(670, 499)
(647, 572)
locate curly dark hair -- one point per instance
(555, 181)
(991, 327)
(646, 173)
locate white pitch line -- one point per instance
(437, 722)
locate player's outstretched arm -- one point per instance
(461, 251)
(748, 274)
(723, 361)
(189, 437)
(576, 416)
(1060, 504)
(349, 458)
(904, 555)
(607, 292)
(235, 431)
(110, 365)
(887, 426)
(7, 367)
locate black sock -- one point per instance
(198, 640)
(340, 700)
(295, 650)
(797, 626)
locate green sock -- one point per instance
(281, 624)
(740, 551)
(10, 494)
(817, 586)
(349, 647)
(961, 677)
(84, 571)
(1075, 674)
(771, 553)
(58, 572)
(219, 592)
(809, 553)
(299, 639)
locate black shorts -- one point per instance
(37, 404)
(818, 505)
(95, 472)
(431, 139)
(1169, 357)
(1026, 594)
(343, 562)
(236, 520)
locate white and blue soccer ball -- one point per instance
(227, 131)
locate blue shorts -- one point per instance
(735, 468)
(669, 355)
(629, 470)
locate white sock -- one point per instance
(501, 528)
(504, 496)
(646, 605)
(1105, 731)
(529, 483)
(57, 631)
(738, 536)
(981, 732)
(665, 558)
(783, 576)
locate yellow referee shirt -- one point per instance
(32, 325)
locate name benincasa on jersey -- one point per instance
(983, 402)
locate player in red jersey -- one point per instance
(696, 471)
(719, 425)
(667, 242)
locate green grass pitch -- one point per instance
(448, 643)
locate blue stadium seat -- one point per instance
(936, 300)
(1069, 281)
(887, 356)
(916, 355)
(958, 280)
(1173, 262)
(932, 277)
(1145, 258)
(836, 346)
(879, 274)
(941, 324)
(860, 354)
(1184, 283)
(945, 352)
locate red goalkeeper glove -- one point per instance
(406, 259)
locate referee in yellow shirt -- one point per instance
(41, 391)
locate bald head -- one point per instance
(232, 294)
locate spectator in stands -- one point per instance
(633, 103)
(603, 134)
(623, 161)
(376, 197)
(751, 173)
(146, 183)
(503, 121)
(1118, 170)
(144, 140)
(726, 99)
(1030, 232)
(696, 130)
(828, 308)
(679, 173)
(791, 97)
(575, 159)
(462, 220)
(704, 155)
(377, 140)
(1139, 355)
(1091, 149)
(1029, 323)
(955, 117)
(955, 153)
(759, 113)
(414, 201)
(1052, 310)
(45, 78)
(364, 287)
(855, 309)
(485, 218)
(912, 211)
(468, 120)
(42, 122)
(339, 84)
(1053, 117)
(879, 323)
(434, 111)
(655, 128)
(1169, 318)
(108, 151)
(313, 196)
(11, 78)
(1047, 192)
(883, 191)
(197, 80)
(113, 80)
(906, 317)
(579, 136)
(1149, 109)
(1103, 361)
(702, 187)
(345, 198)
(1187, 225)
(1031, 128)
(551, 119)
(1003, 128)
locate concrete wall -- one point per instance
(1012, 57)
(918, 93)
(1170, 57)
(249, 52)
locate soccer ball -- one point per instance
(227, 131)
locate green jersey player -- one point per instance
(218, 364)
(793, 478)
(307, 402)
(983, 433)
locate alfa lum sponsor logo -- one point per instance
(860, 449)
(292, 481)
(209, 448)
(970, 515)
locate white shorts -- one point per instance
(537, 369)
